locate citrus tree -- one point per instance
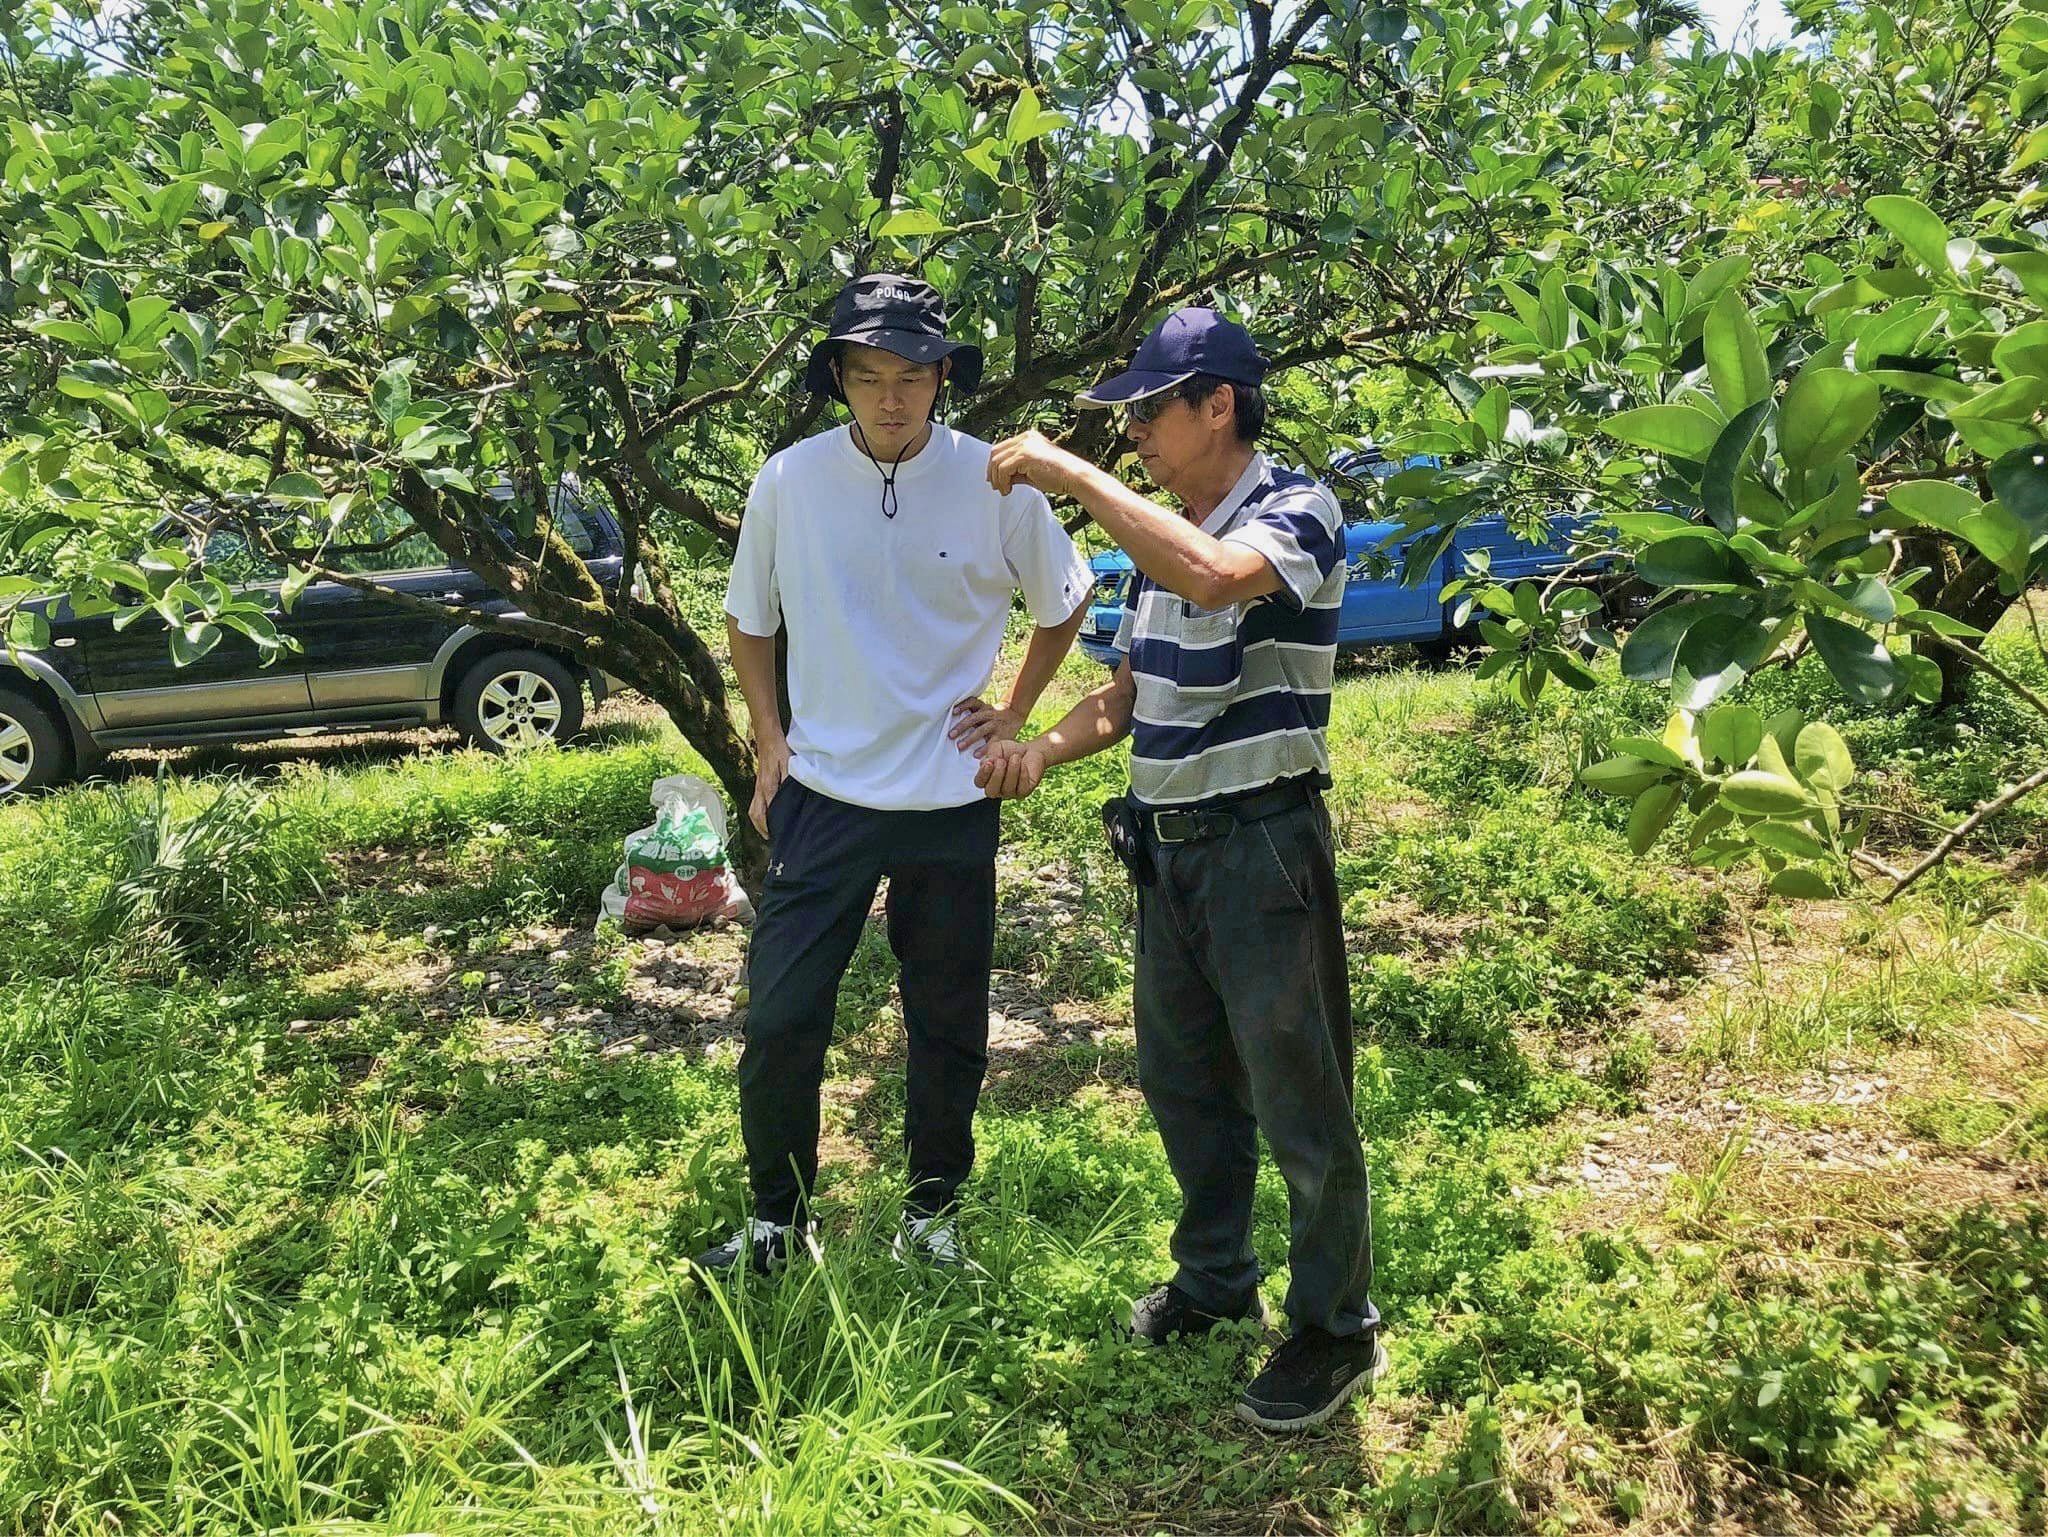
(1814, 422)
(323, 260)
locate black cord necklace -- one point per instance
(891, 505)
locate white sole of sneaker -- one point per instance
(1363, 1382)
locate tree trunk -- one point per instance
(668, 661)
(1973, 596)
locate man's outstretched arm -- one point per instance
(976, 722)
(1012, 770)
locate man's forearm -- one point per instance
(1165, 546)
(1095, 725)
(753, 663)
(1043, 653)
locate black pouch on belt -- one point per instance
(1127, 838)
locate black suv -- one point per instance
(363, 661)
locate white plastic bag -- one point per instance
(676, 874)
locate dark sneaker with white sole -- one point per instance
(1310, 1377)
(1167, 1313)
(766, 1246)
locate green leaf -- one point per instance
(912, 221)
(296, 580)
(1707, 284)
(1491, 414)
(1763, 558)
(289, 393)
(1858, 660)
(2023, 351)
(1647, 526)
(1686, 432)
(1999, 537)
(1760, 793)
(1688, 560)
(1801, 885)
(1622, 776)
(1650, 750)
(1916, 228)
(1822, 758)
(1825, 413)
(28, 630)
(1650, 816)
(1785, 838)
(983, 157)
(391, 395)
(1715, 655)
(2030, 268)
(1938, 503)
(1732, 733)
(1993, 439)
(1735, 355)
(2015, 401)
(2020, 480)
(296, 486)
(1023, 121)
(1719, 480)
(191, 642)
(1652, 646)
(1923, 386)
(1386, 24)
(1920, 677)
(1867, 597)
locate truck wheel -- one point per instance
(514, 699)
(33, 751)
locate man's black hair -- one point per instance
(1250, 399)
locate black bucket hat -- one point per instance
(899, 314)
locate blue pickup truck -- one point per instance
(1378, 610)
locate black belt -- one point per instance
(1186, 824)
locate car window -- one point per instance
(413, 552)
(227, 555)
(574, 525)
(576, 530)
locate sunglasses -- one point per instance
(1148, 409)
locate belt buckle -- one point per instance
(1162, 820)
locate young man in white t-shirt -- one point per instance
(883, 550)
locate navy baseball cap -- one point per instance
(899, 314)
(1188, 342)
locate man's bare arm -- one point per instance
(1096, 724)
(977, 723)
(1168, 548)
(753, 663)
(1012, 770)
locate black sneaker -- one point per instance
(767, 1245)
(1167, 1311)
(1310, 1376)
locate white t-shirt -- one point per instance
(892, 621)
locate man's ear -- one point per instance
(1222, 405)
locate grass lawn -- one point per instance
(347, 1171)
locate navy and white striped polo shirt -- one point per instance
(1235, 698)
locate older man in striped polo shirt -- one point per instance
(1243, 1002)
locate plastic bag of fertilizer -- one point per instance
(675, 873)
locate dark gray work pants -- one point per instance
(1244, 1026)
